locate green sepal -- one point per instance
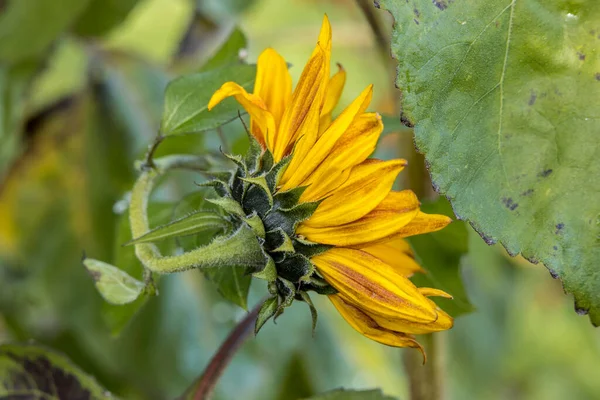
(229, 205)
(276, 172)
(221, 187)
(313, 311)
(114, 285)
(278, 241)
(288, 219)
(266, 161)
(191, 224)
(261, 182)
(237, 160)
(267, 310)
(255, 222)
(256, 199)
(310, 249)
(318, 285)
(289, 198)
(296, 268)
(269, 272)
(287, 290)
(253, 155)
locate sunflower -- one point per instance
(345, 218)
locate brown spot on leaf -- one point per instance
(581, 56)
(416, 22)
(555, 247)
(441, 4)
(532, 98)
(376, 4)
(559, 228)
(528, 192)
(553, 273)
(509, 203)
(545, 173)
(96, 275)
(598, 76)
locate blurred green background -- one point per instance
(82, 85)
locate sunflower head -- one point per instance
(323, 211)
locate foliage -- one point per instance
(504, 98)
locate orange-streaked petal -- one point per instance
(395, 254)
(261, 119)
(351, 149)
(365, 325)
(394, 212)
(273, 85)
(441, 323)
(373, 286)
(332, 97)
(301, 172)
(368, 184)
(306, 96)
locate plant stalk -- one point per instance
(203, 387)
(427, 382)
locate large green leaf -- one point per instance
(101, 16)
(440, 253)
(344, 394)
(27, 28)
(186, 100)
(505, 98)
(34, 372)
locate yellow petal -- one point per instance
(306, 164)
(397, 254)
(306, 96)
(262, 122)
(369, 328)
(394, 212)
(332, 97)
(368, 184)
(431, 292)
(373, 286)
(441, 323)
(423, 223)
(351, 149)
(273, 85)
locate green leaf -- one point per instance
(186, 100)
(267, 310)
(229, 52)
(28, 28)
(344, 394)
(35, 372)
(505, 98)
(200, 221)
(103, 15)
(115, 285)
(440, 253)
(233, 283)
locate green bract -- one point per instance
(249, 195)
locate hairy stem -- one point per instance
(238, 249)
(203, 387)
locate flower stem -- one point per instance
(427, 382)
(203, 387)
